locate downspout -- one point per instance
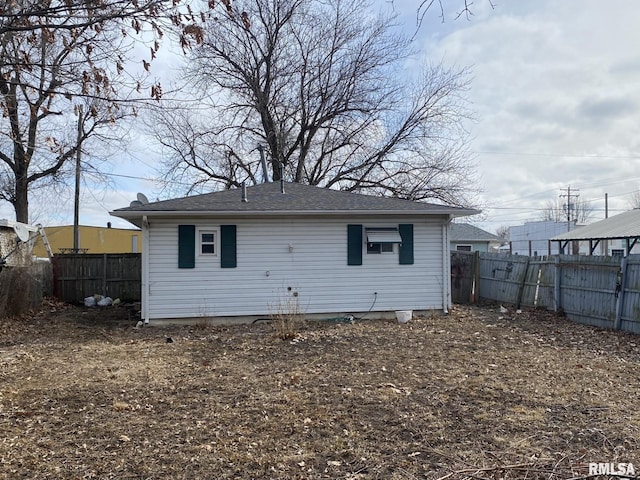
(446, 267)
(145, 271)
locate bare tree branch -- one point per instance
(318, 84)
(60, 54)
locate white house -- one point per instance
(469, 238)
(533, 238)
(230, 254)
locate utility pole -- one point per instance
(570, 204)
(605, 243)
(76, 205)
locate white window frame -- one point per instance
(216, 241)
(394, 248)
(381, 252)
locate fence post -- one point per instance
(476, 277)
(104, 274)
(556, 284)
(523, 280)
(621, 284)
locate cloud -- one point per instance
(606, 109)
(556, 99)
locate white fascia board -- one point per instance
(134, 215)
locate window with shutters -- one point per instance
(382, 240)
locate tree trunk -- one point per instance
(21, 201)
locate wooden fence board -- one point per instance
(630, 312)
(588, 286)
(501, 276)
(77, 276)
(462, 276)
(594, 290)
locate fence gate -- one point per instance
(463, 275)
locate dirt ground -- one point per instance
(475, 394)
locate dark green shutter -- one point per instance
(186, 246)
(406, 247)
(228, 246)
(354, 244)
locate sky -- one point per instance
(555, 95)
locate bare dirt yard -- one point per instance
(475, 394)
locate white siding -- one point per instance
(308, 256)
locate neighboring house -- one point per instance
(617, 235)
(468, 238)
(329, 252)
(16, 242)
(92, 240)
(534, 238)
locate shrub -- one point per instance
(286, 318)
(15, 291)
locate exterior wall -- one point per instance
(537, 234)
(14, 253)
(475, 246)
(616, 246)
(94, 239)
(277, 257)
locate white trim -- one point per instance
(216, 241)
(136, 214)
(145, 287)
(446, 267)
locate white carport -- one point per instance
(625, 227)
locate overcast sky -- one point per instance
(555, 92)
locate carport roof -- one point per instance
(624, 225)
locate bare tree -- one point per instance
(578, 211)
(634, 199)
(58, 56)
(322, 86)
(503, 233)
(465, 9)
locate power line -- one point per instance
(556, 155)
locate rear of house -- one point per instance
(329, 253)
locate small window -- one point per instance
(381, 240)
(616, 252)
(463, 248)
(208, 242)
(379, 247)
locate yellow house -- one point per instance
(92, 240)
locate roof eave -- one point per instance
(133, 214)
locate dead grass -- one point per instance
(471, 395)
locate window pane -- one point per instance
(387, 247)
(373, 248)
(207, 238)
(208, 248)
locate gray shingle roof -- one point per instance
(624, 225)
(470, 233)
(267, 198)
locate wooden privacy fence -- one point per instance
(464, 274)
(116, 275)
(594, 290)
